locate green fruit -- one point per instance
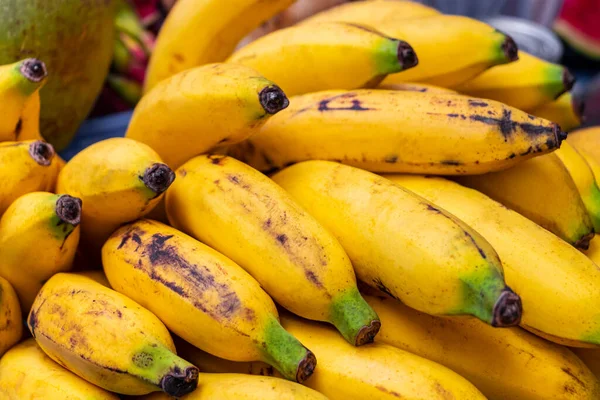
(75, 39)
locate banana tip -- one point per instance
(407, 55)
(508, 309)
(367, 333)
(568, 80)
(68, 209)
(559, 133)
(306, 367)
(584, 242)
(273, 99)
(510, 48)
(42, 152)
(158, 177)
(34, 70)
(179, 383)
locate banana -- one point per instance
(119, 180)
(583, 175)
(373, 13)
(591, 358)
(245, 387)
(203, 107)
(25, 167)
(393, 131)
(19, 86)
(220, 308)
(403, 245)
(27, 373)
(526, 84)
(542, 190)
(198, 32)
(587, 139)
(39, 234)
(452, 49)
(558, 284)
(107, 338)
(502, 363)
(223, 202)
(11, 326)
(415, 87)
(565, 111)
(328, 55)
(375, 371)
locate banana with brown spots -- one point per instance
(246, 216)
(202, 296)
(107, 338)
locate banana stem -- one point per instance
(354, 318)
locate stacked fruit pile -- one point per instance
(272, 211)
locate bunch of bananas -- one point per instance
(270, 226)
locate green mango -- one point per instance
(75, 39)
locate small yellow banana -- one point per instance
(416, 87)
(526, 84)
(11, 325)
(503, 363)
(373, 13)
(452, 49)
(223, 202)
(220, 308)
(582, 173)
(39, 234)
(196, 110)
(107, 338)
(565, 111)
(199, 32)
(403, 245)
(395, 131)
(27, 373)
(328, 55)
(591, 358)
(587, 139)
(119, 180)
(245, 387)
(25, 167)
(19, 86)
(542, 190)
(557, 283)
(375, 371)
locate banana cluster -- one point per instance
(378, 202)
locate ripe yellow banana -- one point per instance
(328, 55)
(394, 131)
(558, 284)
(27, 373)
(526, 84)
(415, 87)
(245, 387)
(565, 111)
(39, 234)
(503, 363)
(591, 358)
(199, 32)
(587, 139)
(583, 175)
(223, 202)
(452, 49)
(220, 308)
(375, 371)
(373, 13)
(403, 245)
(542, 190)
(25, 167)
(196, 110)
(107, 338)
(119, 180)
(19, 83)
(11, 324)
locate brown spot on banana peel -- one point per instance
(388, 391)
(568, 371)
(158, 177)
(477, 103)
(381, 287)
(18, 128)
(34, 70)
(68, 209)
(507, 310)
(450, 162)
(217, 159)
(178, 383)
(42, 152)
(273, 99)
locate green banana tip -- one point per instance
(407, 55)
(180, 382)
(507, 310)
(34, 70)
